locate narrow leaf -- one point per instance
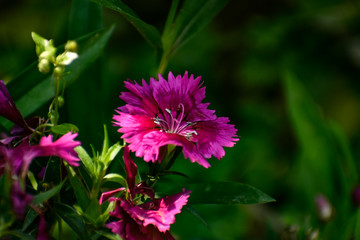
(73, 219)
(226, 193)
(64, 128)
(86, 160)
(29, 218)
(192, 18)
(79, 188)
(117, 178)
(149, 32)
(41, 197)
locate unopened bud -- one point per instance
(44, 66)
(71, 46)
(58, 70)
(60, 101)
(323, 207)
(356, 196)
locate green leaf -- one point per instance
(105, 147)
(41, 197)
(322, 155)
(79, 188)
(117, 178)
(20, 235)
(29, 218)
(195, 213)
(109, 235)
(357, 226)
(111, 154)
(53, 171)
(149, 32)
(226, 193)
(193, 17)
(64, 128)
(85, 17)
(31, 90)
(86, 160)
(73, 219)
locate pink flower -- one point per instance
(18, 160)
(149, 220)
(63, 148)
(171, 112)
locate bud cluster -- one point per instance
(47, 55)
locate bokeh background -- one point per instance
(284, 71)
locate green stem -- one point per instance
(163, 64)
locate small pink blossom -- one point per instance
(62, 147)
(171, 111)
(149, 220)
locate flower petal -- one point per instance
(62, 147)
(160, 213)
(8, 108)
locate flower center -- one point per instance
(173, 122)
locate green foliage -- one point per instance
(226, 193)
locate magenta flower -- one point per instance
(171, 112)
(149, 220)
(18, 160)
(8, 108)
(20, 200)
(63, 148)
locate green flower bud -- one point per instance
(44, 66)
(71, 46)
(60, 101)
(59, 70)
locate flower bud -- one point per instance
(44, 66)
(71, 46)
(323, 207)
(59, 70)
(356, 196)
(66, 58)
(60, 101)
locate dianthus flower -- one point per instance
(17, 161)
(22, 128)
(171, 112)
(149, 220)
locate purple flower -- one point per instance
(148, 220)
(22, 128)
(42, 233)
(20, 200)
(18, 160)
(171, 112)
(8, 108)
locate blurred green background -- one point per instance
(284, 71)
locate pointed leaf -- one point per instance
(149, 32)
(193, 17)
(73, 219)
(80, 190)
(29, 218)
(86, 160)
(64, 128)
(226, 193)
(41, 197)
(117, 178)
